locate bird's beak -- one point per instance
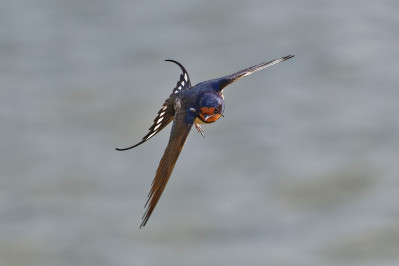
(206, 117)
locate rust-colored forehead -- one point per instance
(207, 110)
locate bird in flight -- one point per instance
(187, 106)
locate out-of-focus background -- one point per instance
(302, 170)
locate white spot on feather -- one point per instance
(150, 136)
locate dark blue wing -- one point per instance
(182, 124)
(224, 81)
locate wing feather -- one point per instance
(181, 127)
(248, 71)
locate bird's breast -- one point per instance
(198, 121)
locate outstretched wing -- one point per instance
(248, 71)
(166, 113)
(182, 124)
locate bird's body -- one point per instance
(187, 105)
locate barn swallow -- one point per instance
(187, 106)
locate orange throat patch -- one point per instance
(208, 111)
(212, 118)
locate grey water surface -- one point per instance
(302, 170)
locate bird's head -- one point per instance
(211, 107)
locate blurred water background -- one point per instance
(302, 170)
